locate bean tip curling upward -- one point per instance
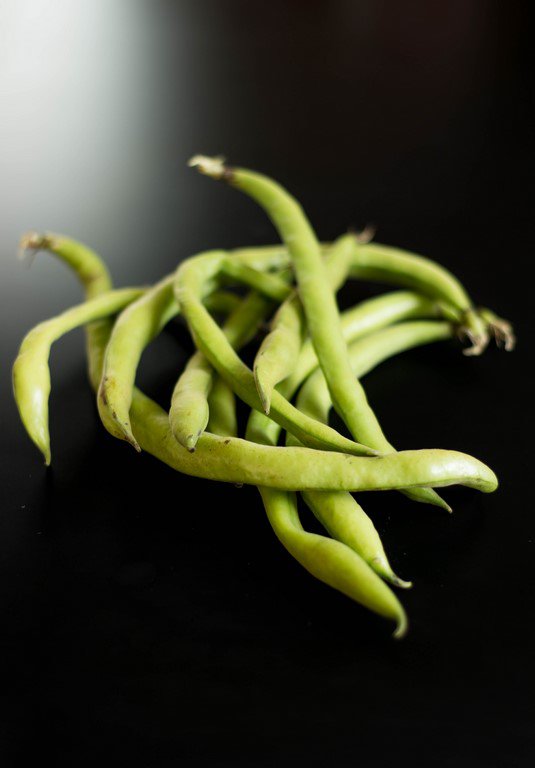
(209, 166)
(501, 330)
(366, 235)
(478, 344)
(401, 627)
(29, 245)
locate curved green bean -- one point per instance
(89, 267)
(189, 412)
(279, 350)
(234, 460)
(222, 409)
(91, 272)
(191, 279)
(31, 374)
(330, 561)
(278, 353)
(346, 521)
(134, 329)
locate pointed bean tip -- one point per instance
(191, 442)
(382, 567)
(129, 437)
(43, 443)
(365, 450)
(439, 502)
(397, 582)
(365, 235)
(402, 627)
(263, 393)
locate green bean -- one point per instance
(382, 263)
(31, 374)
(89, 267)
(91, 272)
(330, 561)
(134, 329)
(239, 461)
(189, 412)
(318, 301)
(192, 277)
(387, 264)
(141, 322)
(222, 409)
(278, 353)
(348, 523)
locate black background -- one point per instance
(153, 619)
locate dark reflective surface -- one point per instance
(152, 619)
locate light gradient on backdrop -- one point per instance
(73, 129)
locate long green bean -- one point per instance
(31, 374)
(331, 561)
(191, 280)
(190, 412)
(278, 353)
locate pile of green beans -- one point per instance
(311, 360)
